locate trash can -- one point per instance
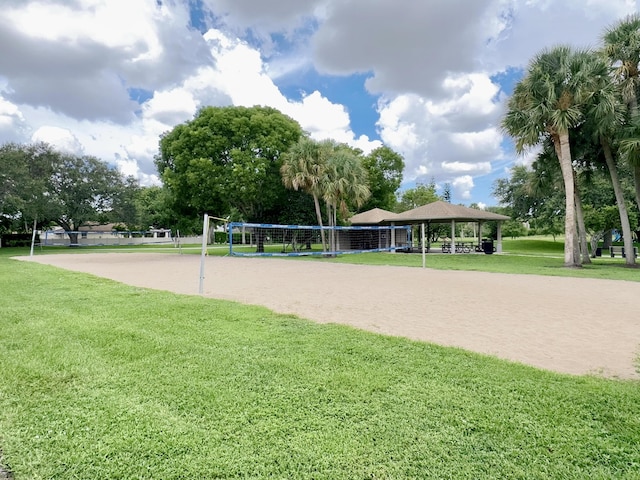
(487, 246)
(598, 252)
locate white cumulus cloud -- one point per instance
(60, 138)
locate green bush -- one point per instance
(17, 239)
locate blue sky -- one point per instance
(427, 78)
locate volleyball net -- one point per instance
(261, 239)
(87, 237)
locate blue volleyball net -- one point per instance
(263, 239)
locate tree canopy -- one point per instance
(42, 184)
(23, 173)
(384, 171)
(226, 159)
(421, 194)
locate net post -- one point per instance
(33, 236)
(205, 232)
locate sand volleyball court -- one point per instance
(569, 325)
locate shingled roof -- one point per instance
(443, 211)
(375, 216)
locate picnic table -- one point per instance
(461, 247)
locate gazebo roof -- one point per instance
(443, 211)
(374, 216)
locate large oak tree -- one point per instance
(228, 159)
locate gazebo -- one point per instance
(444, 212)
(435, 212)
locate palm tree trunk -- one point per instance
(319, 215)
(636, 179)
(570, 231)
(627, 237)
(582, 231)
(583, 250)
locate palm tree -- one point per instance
(605, 115)
(545, 179)
(345, 182)
(622, 48)
(304, 168)
(548, 103)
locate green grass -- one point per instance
(514, 264)
(522, 256)
(106, 381)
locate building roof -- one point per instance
(375, 216)
(98, 227)
(443, 211)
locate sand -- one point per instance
(567, 325)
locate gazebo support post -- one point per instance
(424, 250)
(499, 239)
(480, 234)
(453, 237)
(393, 238)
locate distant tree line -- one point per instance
(251, 164)
(41, 186)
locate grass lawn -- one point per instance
(106, 381)
(539, 256)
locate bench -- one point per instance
(620, 251)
